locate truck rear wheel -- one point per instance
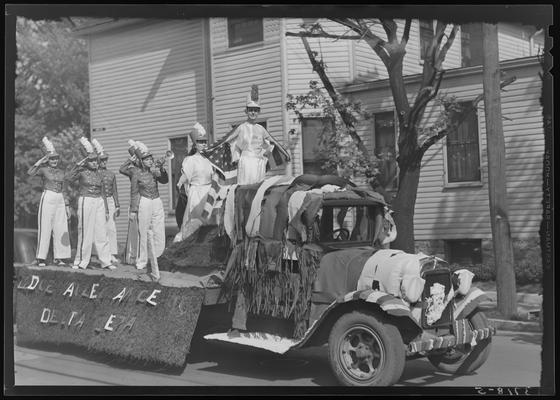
(465, 359)
(365, 350)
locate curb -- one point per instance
(516, 326)
(525, 298)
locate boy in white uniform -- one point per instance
(54, 210)
(196, 172)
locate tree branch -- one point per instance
(364, 33)
(441, 134)
(447, 45)
(390, 28)
(427, 95)
(346, 116)
(406, 33)
(322, 35)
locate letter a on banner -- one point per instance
(120, 296)
(70, 290)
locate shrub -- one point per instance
(524, 273)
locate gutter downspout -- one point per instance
(209, 78)
(284, 90)
(532, 41)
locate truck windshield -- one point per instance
(347, 223)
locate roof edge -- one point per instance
(104, 26)
(449, 73)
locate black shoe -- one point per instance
(59, 263)
(41, 263)
(236, 332)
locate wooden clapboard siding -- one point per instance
(513, 41)
(147, 83)
(463, 212)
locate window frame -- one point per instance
(462, 47)
(396, 131)
(228, 28)
(309, 116)
(335, 244)
(451, 185)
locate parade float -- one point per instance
(310, 258)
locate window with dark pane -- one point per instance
(471, 44)
(463, 251)
(312, 131)
(463, 156)
(244, 31)
(179, 146)
(385, 148)
(426, 36)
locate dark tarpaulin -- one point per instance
(339, 273)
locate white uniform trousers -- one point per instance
(112, 227)
(151, 228)
(251, 169)
(132, 244)
(52, 221)
(92, 232)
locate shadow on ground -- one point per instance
(525, 337)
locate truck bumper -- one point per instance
(470, 336)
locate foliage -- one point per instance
(525, 273)
(335, 146)
(51, 98)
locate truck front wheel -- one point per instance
(366, 350)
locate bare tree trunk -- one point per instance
(405, 201)
(501, 235)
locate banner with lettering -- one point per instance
(127, 318)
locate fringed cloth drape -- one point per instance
(271, 286)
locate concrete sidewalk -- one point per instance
(529, 309)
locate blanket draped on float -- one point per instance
(273, 283)
(267, 227)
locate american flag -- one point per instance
(220, 155)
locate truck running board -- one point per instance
(266, 341)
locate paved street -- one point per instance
(514, 361)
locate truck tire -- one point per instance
(465, 359)
(366, 350)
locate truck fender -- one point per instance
(464, 305)
(390, 304)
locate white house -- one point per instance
(151, 80)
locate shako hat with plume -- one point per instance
(87, 147)
(132, 147)
(198, 133)
(101, 154)
(48, 148)
(253, 97)
(142, 150)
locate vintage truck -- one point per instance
(372, 306)
(319, 275)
